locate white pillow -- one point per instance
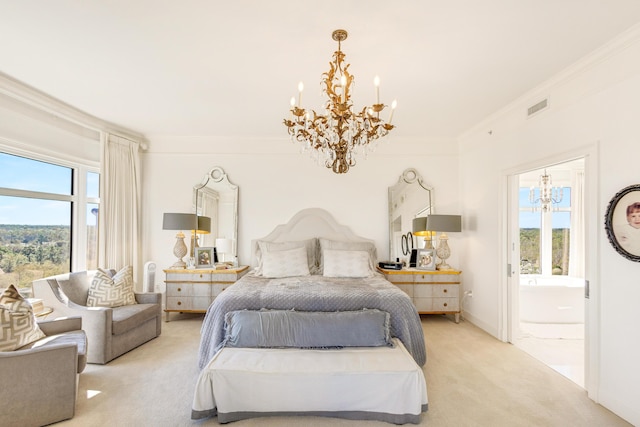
(290, 263)
(339, 263)
(309, 244)
(369, 247)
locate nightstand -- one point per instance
(193, 291)
(432, 292)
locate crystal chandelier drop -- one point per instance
(335, 136)
(548, 194)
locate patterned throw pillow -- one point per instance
(289, 263)
(346, 263)
(116, 291)
(18, 326)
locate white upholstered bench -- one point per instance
(365, 383)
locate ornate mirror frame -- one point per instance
(217, 198)
(624, 237)
(409, 198)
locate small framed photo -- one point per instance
(205, 257)
(622, 222)
(426, 259)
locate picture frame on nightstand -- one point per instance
(205, 257)
(426, 259)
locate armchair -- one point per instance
(111, 332)
(40, 379)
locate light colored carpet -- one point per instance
(472, 380)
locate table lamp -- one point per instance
(204, 227)
(444, 224)
(224, 246)
(179, 221)
(419, 226)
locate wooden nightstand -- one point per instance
(432, 292)
(193, 291)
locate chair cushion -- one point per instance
(75, 337)
(76, 287)
(107, 291)
(18, 324)
(128, 317)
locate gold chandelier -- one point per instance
(336, 136)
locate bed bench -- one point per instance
(361, 383)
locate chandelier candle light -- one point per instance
(548, 193)
(335, 136)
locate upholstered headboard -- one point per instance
(306, 224)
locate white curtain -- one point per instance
(577, 239)
(119, 203)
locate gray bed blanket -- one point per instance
(314, 293)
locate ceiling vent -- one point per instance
(540, 106)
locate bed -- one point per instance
(312, 330)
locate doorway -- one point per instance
(547, 305)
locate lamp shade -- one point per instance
(419, 227)
(444, 223)
(178, 221)
(204, 225)
(223, 246)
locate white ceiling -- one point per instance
(228, 69)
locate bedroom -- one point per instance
(592, 110)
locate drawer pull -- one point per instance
(179, 302)
(445, 291)
(445, 304)
(201, 275)
(179, 289)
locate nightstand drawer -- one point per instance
(407, 289)
(188, 289)
(445, 304)
(436, 278)
(188, 303)
(429, 291)
(189, 277)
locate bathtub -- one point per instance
(551, 299)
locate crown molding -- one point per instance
(39, 102)
(586, 63)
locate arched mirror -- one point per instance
(217, 198)
(409, 198)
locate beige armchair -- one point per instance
(39, 380)
(111, 332)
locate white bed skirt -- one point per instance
(381, 383)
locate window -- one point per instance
(41, 230)
(544, 235)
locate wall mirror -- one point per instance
(409, 198)
(217, 198)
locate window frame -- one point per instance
(78, 198)
(546, 231)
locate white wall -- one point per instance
(276, 181)
(594, 104)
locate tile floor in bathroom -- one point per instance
(560, 346)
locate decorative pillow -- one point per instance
(107, 291)
(346, 263)
(310, 245)
(312, 329)
(18, 326)
(348, 246)
(285, 263)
